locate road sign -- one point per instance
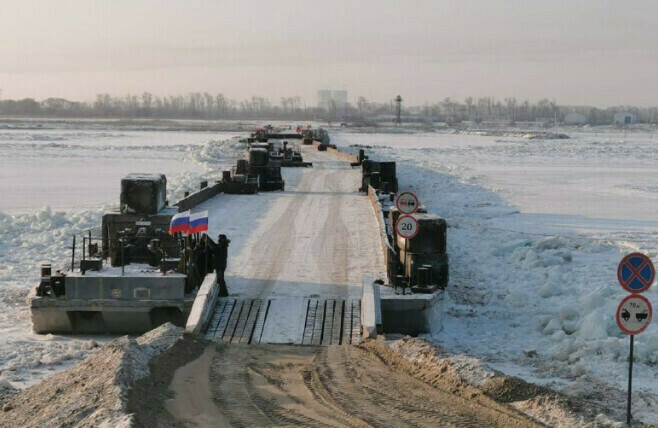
(407, 226)
(407, 203)
(634, 314)
(636, 273)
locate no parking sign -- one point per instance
(636, 273)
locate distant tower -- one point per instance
(398, 110)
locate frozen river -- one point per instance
(537, 228)
(68, 168)
(606, 175)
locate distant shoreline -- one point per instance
(146, 124)
(530, 130)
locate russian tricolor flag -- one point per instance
(180, 223)
(198, 222)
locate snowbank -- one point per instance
(95, 391)
(534, 254)
(430, 363)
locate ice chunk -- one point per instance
(593, 326)
(552, 243)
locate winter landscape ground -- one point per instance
(536, 229)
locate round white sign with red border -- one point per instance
(407, 203)
(634, 314)
(407, 226)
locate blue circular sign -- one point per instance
(636, 273)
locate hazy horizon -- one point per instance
(599, 53)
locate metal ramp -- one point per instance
(321, 322)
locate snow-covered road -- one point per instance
(317, 238)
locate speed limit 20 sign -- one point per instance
(407, 227)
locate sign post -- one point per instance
(407, 203)
(407, 227)
(635, 275)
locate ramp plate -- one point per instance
(322, 322)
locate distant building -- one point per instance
(624, 118)
(575, 119)
(328, 98)
(340, 98)
(324, 98)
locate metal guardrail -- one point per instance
(95, 247)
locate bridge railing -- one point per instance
(203, 306)
(371, 311)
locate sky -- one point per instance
(577, 52)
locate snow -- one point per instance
(57, 182)
(283, 244)
(65, 169)
(536, 230)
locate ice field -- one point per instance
(536, 230)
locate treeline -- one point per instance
(483, 109)
(191, 106)
(204, 105)
(544, 110)
(489, 108)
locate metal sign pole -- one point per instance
(73, 254)
(630, 383)
(123, 259)
(187, 246)
(205, 268)
(406, 266)
(407, 228)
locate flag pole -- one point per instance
(187, 246)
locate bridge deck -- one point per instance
(296, 258)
